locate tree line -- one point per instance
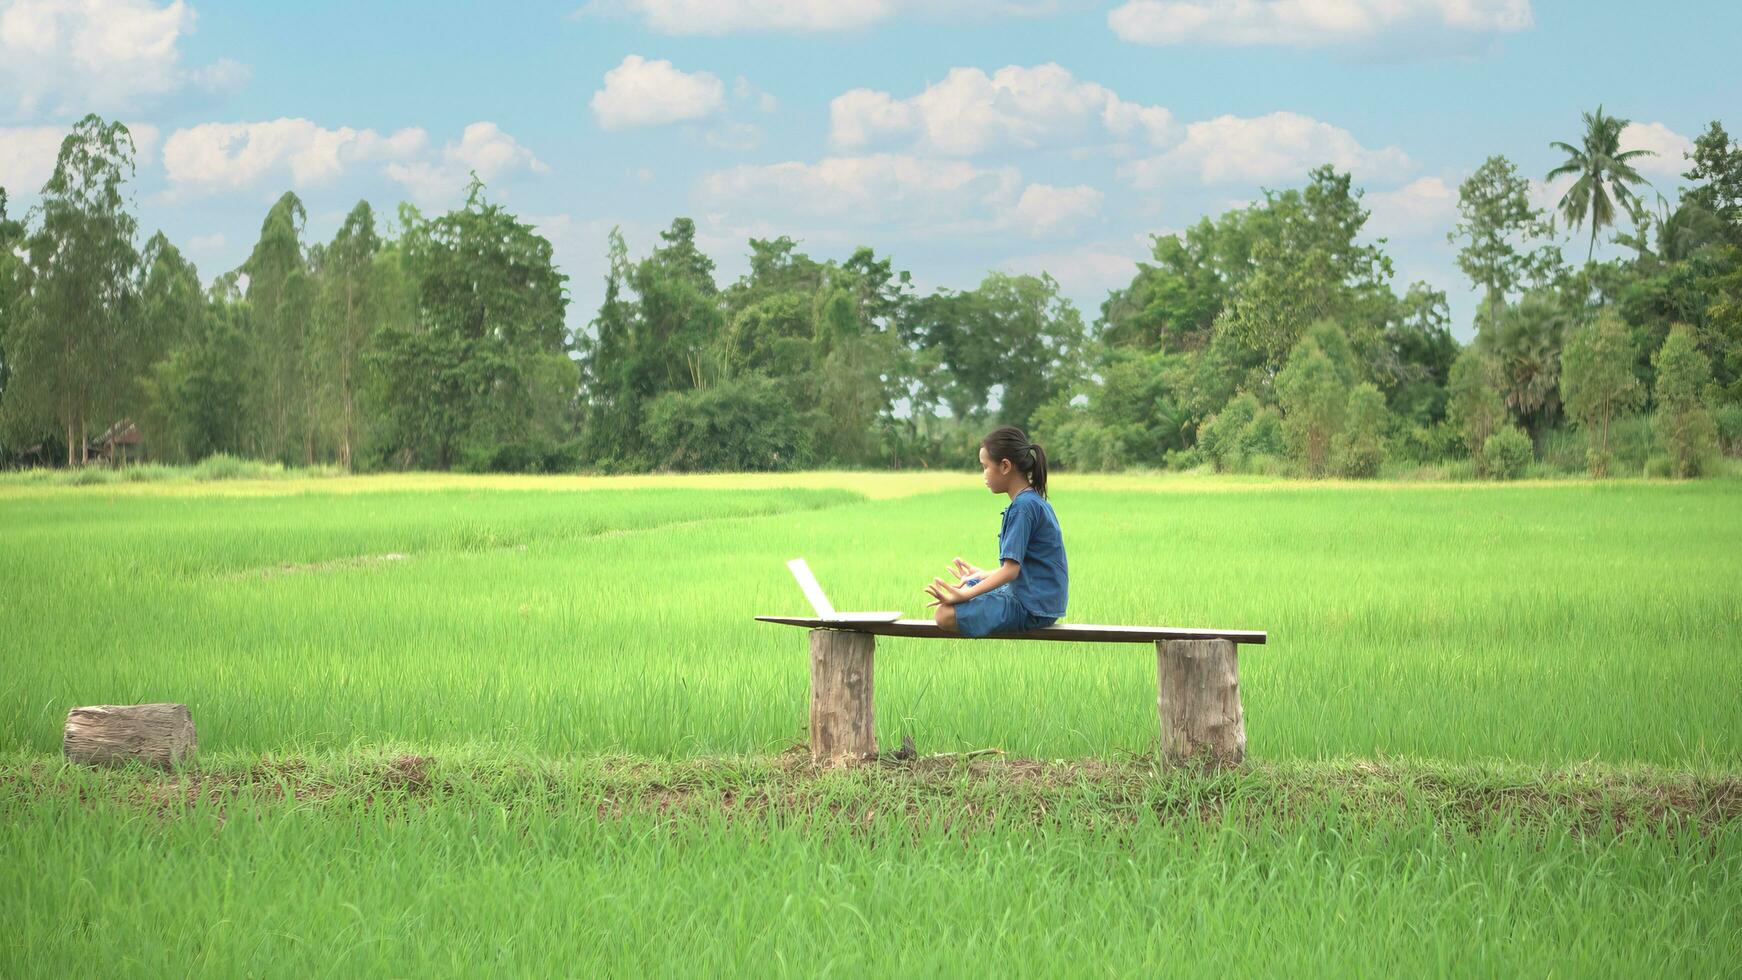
(1270, 338)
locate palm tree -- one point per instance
(1526, 342)
(1603, 170)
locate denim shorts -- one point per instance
(996, 611)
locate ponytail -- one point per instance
(1012, 443)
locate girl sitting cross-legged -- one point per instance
(1029, 587)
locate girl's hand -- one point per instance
(944, 593)
(964, 571)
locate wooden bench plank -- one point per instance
(1077, 632)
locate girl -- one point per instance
(1029, 587)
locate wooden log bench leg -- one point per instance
(841, 690)
(1199, 701)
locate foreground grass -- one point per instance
(480, 860)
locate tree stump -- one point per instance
(1199, 701)
(112, 734)
(841, 708)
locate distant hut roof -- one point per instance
(122, 433)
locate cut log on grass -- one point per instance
(841, 697)
(1199, 701)
(113, 734)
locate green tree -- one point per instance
(1308, 264)
(1220, 435)
(1604, 174)
(1421, 350)
(1172, 302)
(1526, 344)
(1314, 399)
(1717, 176)
(488, 316)
(1496, 221)
(280, 301)
(1597, 381)
(1359, 449)
(1013, 336)
(1474, 405)
(353, 303)
(71, 357)
(192, 393)
(14, 295)
(171, 302)
(1683, 424)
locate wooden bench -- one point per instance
(1197, 671)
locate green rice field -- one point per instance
(452, 726)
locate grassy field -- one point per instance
(458, 724)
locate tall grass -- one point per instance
(1536, 623)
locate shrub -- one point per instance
(1313, 400)
(1597, 383)
(1264, 435)
(1630, 444)
(1507, 453)
(88, 476)
(223, 466)
(1359, 450)
(1568, 451)
(1219, 437)
(1184, 459)
(743, 424)
(1430, 443)
(1729, 422)
(1682, 423)
(531, 455)
(1474, 405)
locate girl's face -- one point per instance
(998, 475)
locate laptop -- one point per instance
(820, 602)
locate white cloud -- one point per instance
(894, 191)
(970, 112)
(718, 17)
(1087, 272)
(206, 244)
(1426, 205)
(639, 92)
(62, 57)
(215, 157)
(483, 148)
(1670, 146)
(745, 16)
(220, 156)
(1311, 23)
(27, 157)
(744, 91)
(730, 135)
(861, 117)
(1044, 210)
(1257, 149)
(28, 154)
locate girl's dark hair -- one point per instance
(1012, 443)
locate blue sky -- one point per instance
(956, 136)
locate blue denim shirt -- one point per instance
(1030, 536)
